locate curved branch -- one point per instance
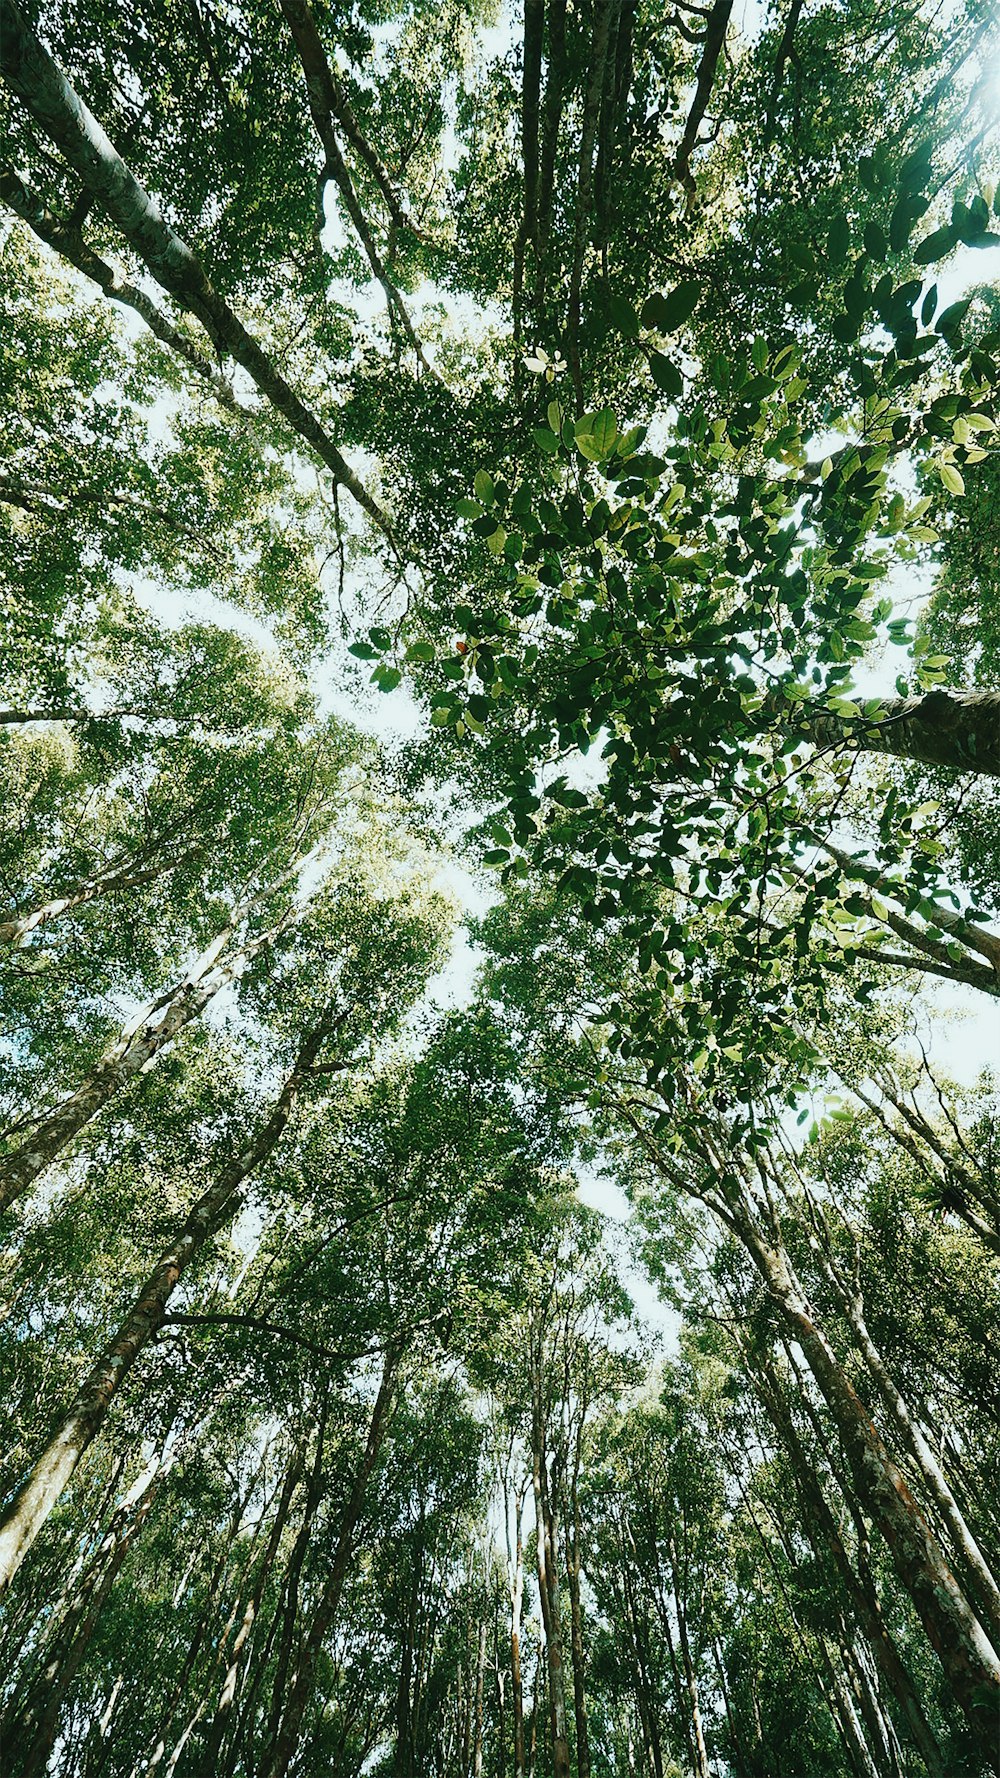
(39, 82)
(713, 42)
(66, 240)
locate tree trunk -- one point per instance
(516, 1605)
(40, 1723)
(32, 74)
(222, 1718)
(477, 1742)
(546, 1537)
(27, 1512)
(15, 931)
(326, 1610)
(953, 1630)
(958, 729)
(822, 1527)
(971, 1559)
(576, 1634)
(701, 1767)
(141, 1041)
(69, 242)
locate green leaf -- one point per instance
(545, 440)
(665, 375)
(469, 509)
(598, 433)
(623, 316)
(483, 484)
(935, 245)
(952, 478)
(666, 313)
(950, 320)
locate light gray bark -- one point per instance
(39, 82)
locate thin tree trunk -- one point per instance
(953, 1630)
(326, 1609)
(585, 183)
(41, 1721)
(13, 932)
(27, 1512)
(969, 1660)
(516, 1604)
(70, 244)
(817, 1513)
(32, 74)
(690, 1675)
(577, 1655)
(222, 1717)
(971, 1558)
(322, 97)
(141, 1041)
(551, 119)
(713, 44)
(477, 1743)
(546, 1537)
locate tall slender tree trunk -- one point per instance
(970, 1557)
(223, 1710)
(821, 1526)
(23, 1518)
(477, 1742)
(69, 242)
(546, 1537)
(38, 1728)
(516, 1606)
(577, 1652)
(32, 74)
(325, 1612)
(15, 931)
(954, 1631)
(701, 1766)
(140, 1042)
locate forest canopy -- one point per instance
(499, 889)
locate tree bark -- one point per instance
(577, 1654)
(967, 1656)
(141, 1041)
(516, 1603)
(15, 931)
(32, 74)
(822, 1529)
(546, 1538)
(585, 184)
(34, 1500)
(972, 1561)
(39, 1725)
(714, 43)
(957, 729)
(322, 95)
(965, 1652)
(68, 242)
(326, 1610)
